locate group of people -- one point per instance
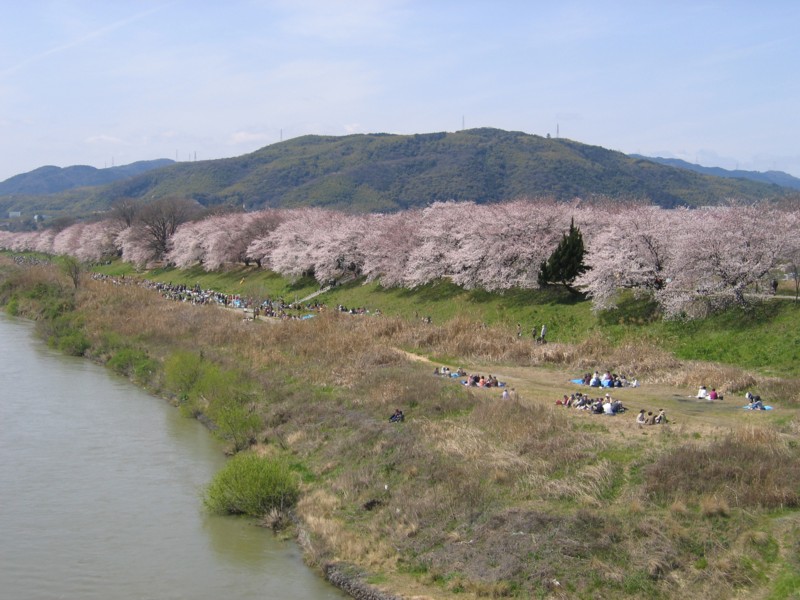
(276, 308)
(473, 380)
(482, 381)
(754, 402)
(596, 406)
(650, 418)
(608, 380)
(540, 339)
(446, 372)
(704, 394)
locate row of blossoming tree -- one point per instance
(689, 261)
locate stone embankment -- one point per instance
(343, 577)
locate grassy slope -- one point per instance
(491, 499)
(766, 338)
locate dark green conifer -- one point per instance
(566, 261)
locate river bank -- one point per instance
(470, 496)
(95, 470)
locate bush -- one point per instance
(131, 362)
(182, 371)
(12, 308)
(74, 344)
(251, 485)
(65, 333)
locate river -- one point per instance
(100, 493)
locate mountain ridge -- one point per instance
(50, 179)
(389, 172)
(771, 177)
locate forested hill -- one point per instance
(51, 180)
(776, 177)
(381, 172)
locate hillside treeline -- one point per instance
(690, 261)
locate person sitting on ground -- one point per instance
(398, 416)
(713, 395)
(505, 395)
(661, 417)
(702, 393)
(436, 371)
(754, 402)
(597, 407)
(563, 401)
(641, 418)
(608, 407)
(651, 419)
(617, 407)
(595, 380)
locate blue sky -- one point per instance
(102, 83)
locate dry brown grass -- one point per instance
(492, 497)
(751, 467)
(726, 379)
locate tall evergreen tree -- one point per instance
(566, 261)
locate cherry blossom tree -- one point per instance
(67, 241)
(722, 254)
(97, 241)
(387, 243)
(44, 241)
(338, 254)
(634, 251)
(259, 235)
(442, 230)
(297, 241)
(187, 245)
(135, 246)
(511, 241)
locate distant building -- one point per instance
(14, 214)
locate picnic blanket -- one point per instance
(747, 407)
(605, 384)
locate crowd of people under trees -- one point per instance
(689, 261)
(263, 307)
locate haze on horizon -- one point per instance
(83, 82)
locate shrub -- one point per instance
(182, 372)
(134, 363)
(251, 485)
(235, 421)
(65, 333)
(74, 344)
(12, 308)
